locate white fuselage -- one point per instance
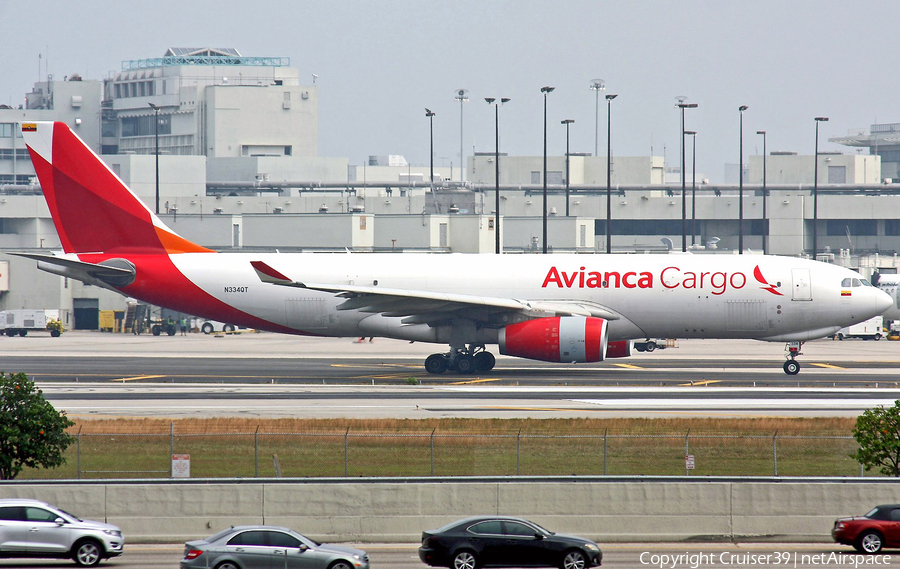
(674, 295)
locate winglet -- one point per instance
(269, 275)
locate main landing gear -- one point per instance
(792, 366)
(463, 361)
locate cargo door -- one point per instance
(87, 313)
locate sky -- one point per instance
(381, 63)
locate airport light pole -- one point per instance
(741, 109)
(693, 135)
(765, 192)
(597, 85)
(816, 191)
(430, 114)
(156, 135)
(462, 95)
(545, 90)
(496, 104)
(682, 105)
(609, 99)
(567, 122)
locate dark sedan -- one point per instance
(497, 541)
(871, 533)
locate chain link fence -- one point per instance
(358, 454)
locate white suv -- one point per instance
(30, 528)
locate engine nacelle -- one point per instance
(570, 339)
(619, 349)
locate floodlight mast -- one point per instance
(545, 90)
(683, 105)
(597, 85)
(462, 95)
(496, 105)
(430, 115)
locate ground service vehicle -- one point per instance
(212, 326)
(565, 308)
(20, 322)
(872, 532)
(30, 528)
(650, 345)
(499, 541)
(871, 329)
(251, 547)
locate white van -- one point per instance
(871, 329)
(213, 326)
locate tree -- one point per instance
(878, 433)
(32, 432)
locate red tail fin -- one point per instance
(93, 210)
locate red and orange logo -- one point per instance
(757, 274)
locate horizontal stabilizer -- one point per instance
(113, 272)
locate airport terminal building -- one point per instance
(239, 170)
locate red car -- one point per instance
(870, 533)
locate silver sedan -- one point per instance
(268, 547)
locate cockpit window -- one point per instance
(865, 282)
(845, 283)
(856, 282)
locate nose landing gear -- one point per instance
(792, 366)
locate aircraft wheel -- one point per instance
(791, 367)
(484, 361)
(465, 364)
(841, 337)
(436, 363)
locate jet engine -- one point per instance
(567, 339)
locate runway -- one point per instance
(268, 375)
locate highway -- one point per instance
(627, 556)
(250, 374)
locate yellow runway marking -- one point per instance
(474, 381)
(628, 366)
(137, 378)
(704, 382)
(829, 366)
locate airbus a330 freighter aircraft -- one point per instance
(558, 308)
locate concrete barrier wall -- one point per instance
(398, 511)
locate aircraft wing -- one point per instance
(419, 306)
